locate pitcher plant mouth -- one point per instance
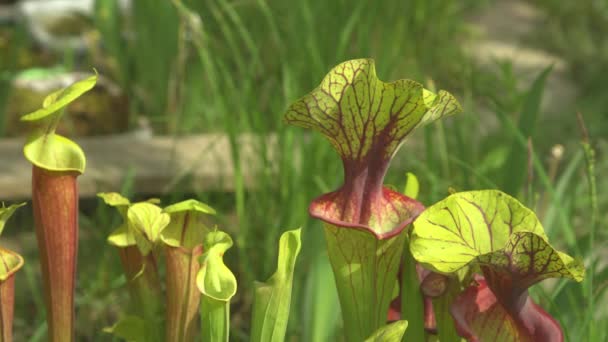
(399, 209)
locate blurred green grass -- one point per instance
(234, 66)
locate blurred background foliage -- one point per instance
(194, 67)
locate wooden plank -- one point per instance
(158, 163)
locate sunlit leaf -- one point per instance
(61, 98)
(6, 213)
(455, 231)
(129, 328)
(146, 222)
(273, 299)
(389, 333)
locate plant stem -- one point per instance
(55, 203)
(445, 323)
(215, 319)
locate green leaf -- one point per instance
(453, 232)
(412, 302)
(55, 153)
(322, 306)
(114, 199)
(515, 174)
(61, 98)
(186, 228)
(357, 112)
(412, 186)
(6, 213)
(531, 259)
(273, 299)
(122, 237)
(389, 333)
(146, 222)
(189, 205)
(488, 228)
(365, 270)
(129, 328)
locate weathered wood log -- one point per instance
(158, 163)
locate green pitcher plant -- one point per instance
(183, 246)
(11, 263)
(503, 245)
(366, 120)
(56, 163)
(217, 285)
(141, 271)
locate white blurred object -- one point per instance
(40, 15)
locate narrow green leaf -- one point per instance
(412, 305)
(129, 328)
(389, 333)
(411, 186)
(6, 213)
(322, 305)
(514, 176)
(273, 299)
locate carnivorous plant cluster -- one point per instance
(464, 267)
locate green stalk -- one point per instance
(215, 319)
(446, 330)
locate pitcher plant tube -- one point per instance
(57, 162)
(492, 232)
(141, 271)
(183, 245)
(366, 120)
(11, 263)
